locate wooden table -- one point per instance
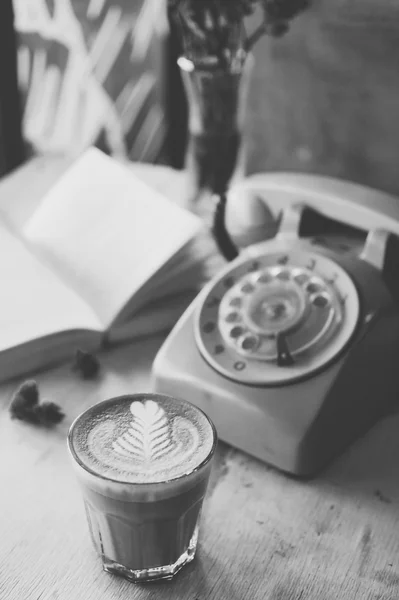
(263, 536)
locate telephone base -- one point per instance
(292, 350)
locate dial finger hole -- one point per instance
(264, 278)
(235, 302)
(321, 301)
(284, 275)
(250, 342)
(247, 288)
(236, 332)
(233, 317)
(301, 278)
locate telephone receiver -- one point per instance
(293, 348)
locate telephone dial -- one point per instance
(293, 348)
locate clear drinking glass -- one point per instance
(143, 462)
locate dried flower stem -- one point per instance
(255, 36)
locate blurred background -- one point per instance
(322, 99)
(93, 72)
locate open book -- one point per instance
(104, 259)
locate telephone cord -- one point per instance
(222, 238)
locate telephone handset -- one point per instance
(293, 348)
(256, 203)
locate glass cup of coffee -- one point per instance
(143, 462)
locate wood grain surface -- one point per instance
(324, 97)
(264, 536)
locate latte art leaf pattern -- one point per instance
(144, 440)
(148, 438)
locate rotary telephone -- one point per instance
(293, 348)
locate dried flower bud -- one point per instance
(49, 414)
(28, 392)
(86, 364)
(25, 407)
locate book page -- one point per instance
(106, 233)
(33, 303)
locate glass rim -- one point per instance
(149, 395)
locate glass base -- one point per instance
(153, 573)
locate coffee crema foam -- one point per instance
(142, 439)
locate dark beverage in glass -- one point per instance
(143, 463)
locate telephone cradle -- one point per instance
(293, 348)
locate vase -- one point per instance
(217, 103)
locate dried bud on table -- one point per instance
(25, 406)
(86, 365)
